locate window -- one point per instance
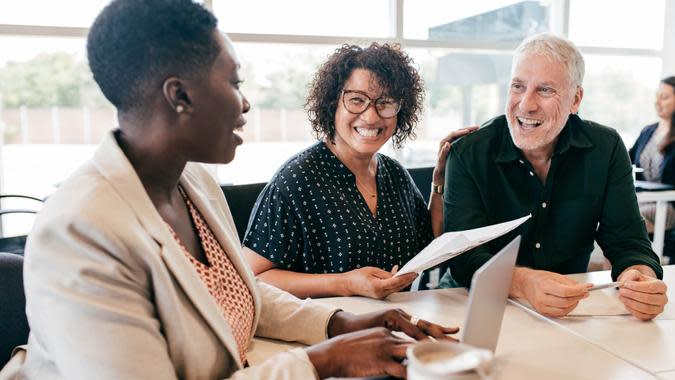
(52, 13)
(486, 20)
(619, 92)
(305, 17)
(52, 115)
(619, 24)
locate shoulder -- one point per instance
(307, 166)
(88, 212)
(597, 132)
(391, 164)
(485, 141)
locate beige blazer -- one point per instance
(110, 294)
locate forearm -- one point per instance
(303, 285)
(436, 212)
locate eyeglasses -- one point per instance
(357, 102)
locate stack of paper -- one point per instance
(452, 244)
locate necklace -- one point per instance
(372, 195)
(364, 187)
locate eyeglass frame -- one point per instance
(370, 102)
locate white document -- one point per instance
(452, 244)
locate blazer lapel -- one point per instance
(113, 164)
(208, 205)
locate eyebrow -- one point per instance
(383, 96)
(543, 84)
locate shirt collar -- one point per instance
(572, 135)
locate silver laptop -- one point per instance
(487, 298)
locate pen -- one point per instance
(617, 284)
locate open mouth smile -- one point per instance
(368, 132)
(526, 123)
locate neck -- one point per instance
(664, 123)
(538, 155)
(361, 165)
(154, 158)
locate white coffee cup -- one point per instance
(447, 360)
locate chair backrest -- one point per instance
(30, 205)
(241, 199)
(422, 178)
(13, 323)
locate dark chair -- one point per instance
(13, 323)
(422, 178)
(16, 244)
(241, 199)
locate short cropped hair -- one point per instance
(557, 48)
(393, 70)
(134, 45)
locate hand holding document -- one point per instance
(452, 244)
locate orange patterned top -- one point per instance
(223, 281)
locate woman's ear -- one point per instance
(176, 96)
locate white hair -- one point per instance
(557, 48)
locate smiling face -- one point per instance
(219, 108)
(540, 99)
(361, 134)
(665, 101)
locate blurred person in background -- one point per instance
(654, 151)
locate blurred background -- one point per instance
(52, 115)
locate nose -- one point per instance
(528, 102)
(370, 115)
(246, 105)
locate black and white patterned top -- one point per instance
(651, 158)
(311, 218)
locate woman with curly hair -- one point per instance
(338, 219)
(134, 269)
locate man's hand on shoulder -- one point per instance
(642, 293)
(551, 294)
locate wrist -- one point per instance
(338, 323)
(436, 188)
(643, 269)
(518, 282)
(344, 284)
(319, 356)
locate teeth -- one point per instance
(529, 122)
(367, 132)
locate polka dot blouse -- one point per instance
(311, 218)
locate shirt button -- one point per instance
(543, 205)
(531, 174)
(538, 245)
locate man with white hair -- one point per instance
(574, 176)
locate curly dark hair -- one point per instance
(134, 45)
(394, 72)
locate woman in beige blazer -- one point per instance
(114, 268)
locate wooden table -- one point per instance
(535, 347)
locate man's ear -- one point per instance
(577, 99)
(176, 95)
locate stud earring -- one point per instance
(180, 108)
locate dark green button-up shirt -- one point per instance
(588, 195)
